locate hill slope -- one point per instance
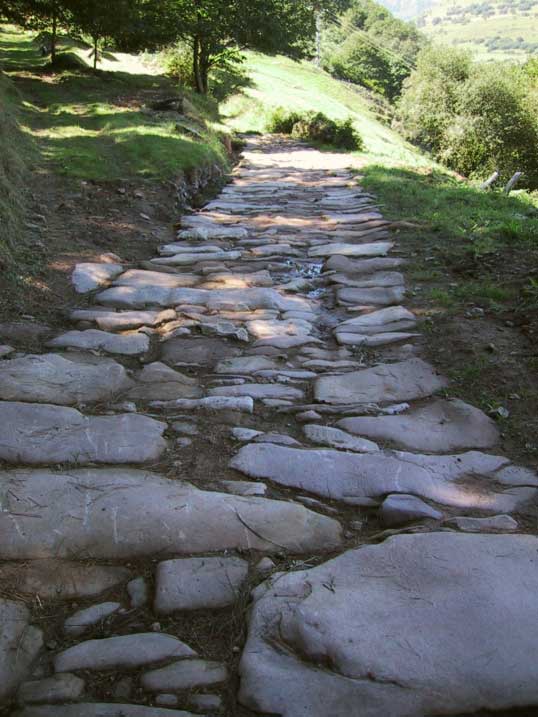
(408, 9)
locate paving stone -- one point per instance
(401, 381)
(394, 318)
(198, 583)
(365, 479)
(280, 439)
(123, 320)
(88, 277)
(188, 429)
(145, 278)
(198, 352)
(82, 620)
(438, 427)
(159, 382)
(99, 710)
(243, 404)
(240, 487)
(51, 378)
(6, 350)
(497, 523)
(20, 644)
(399, 509)
(259, 390)
(333, 437)
(183, 675)
(372, 341)
(189, 259)
(61, 579)
(374, 296)
(341, 614)
(207, 231)
(59, 688)
(211, 703)
(134, 344)
(172, 518)
(41, 433)
(244, 434)
(138, 591)
(361, 266)
(369, 281)
(126, 652)
(380, 248)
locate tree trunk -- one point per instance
(198, 84)
(318, 38)
(204, 70)
(54, 35)
(95, 43)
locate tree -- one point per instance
(38, 15)
(99, 20)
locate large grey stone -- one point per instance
(52, 579)
(401, 381)
(377, 296)
(494, 524)
(51, 378)
(126, 652)
(159, 382)
(209, 404)
(99, 710)
(418, 625)
(123, 320)
(382, 321)
(82, 620)
(379, 248)
(89, 276)
(184, 675)
(133, 344)
(439, 427)
(366, 479)
(198, 583)
(185, 259)
(333, 437)
(90, 513)
(361, 266)
(246, 364)
(141, 277)
(259, 390)
(41, 433)
(199, 351)
(400, 509)
(20, 644)
(59, 688)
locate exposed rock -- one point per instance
(51, 378)
(82, 620)
(184, 675)
(326, 436)
(399, 509)
(61, 579)
(341, 613)
(258, 391)
(374, 340)
(88, 277)
(99, 710)
(244, 434)
(5, 350)
(141, 278)
(438, 427)
(159, 382)
(210, 703)
(172, 518)
(495, 524)
(123, 320)
(212, 403)
(198, 352)
(382, 321)
(376, 296)
(361, 266)
(20, 644)
(241, 487)
(138, 591)
(59, 688)
(402, 381)
(40, 433)
(379, 248)
(126, 344)
(198, 583)
(126, 652)
(266, 565)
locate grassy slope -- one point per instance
(278, 81)
(477, 28)
(95, 126)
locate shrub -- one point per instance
(177, 62)
(316, 127)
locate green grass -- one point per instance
(281, 82)
(96, 126)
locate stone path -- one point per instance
(247, 417)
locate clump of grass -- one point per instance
(316, 127)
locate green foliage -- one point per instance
(316, 127)
(475, 118)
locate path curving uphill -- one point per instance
(246, 421)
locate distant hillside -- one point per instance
(409, 9)
(497, 28)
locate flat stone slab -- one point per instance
(51, 378)
(419, 589)
(382, 321)
(126, 652)
(78, 623)
(335, 438)
(259, 391)
(374, 341)
(203, 232)
(369, 281)
(20, 644)
(159, 382)
(99, 710)
(199, 351)
(90, 513)
(361, 266)
(403, 381)
(52, 579)
(439, 427)
(377, 296)
(89, 276)
(144, 278)
(134, 344)
(378, 248)
(185, 259)
(246, 365)
(198, 583)
(123, 320)
(59, 688)
(494, 524)
(400, 509)
(184, 675)
(244, 404)
(40, 433)
(366, 479)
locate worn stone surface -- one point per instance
(123, 320)
(399, 509)
(78, 623)
(171, 517)
(133, 344)
(460, 586)
(99, 710)
(126, 652)
(20, 644)
(59, 688)
(51, 378)
(88, 276)
(439, 426)
(402, 381)
(259, 390)
(138, 591)
(157, 382)
(333, 437)
(199, 352)
(496, 523)
(41, 433)
(198, 583)
(183, 675)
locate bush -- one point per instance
(177, 62)
(316, 127)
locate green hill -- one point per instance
(492, 28)
(408, 9)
